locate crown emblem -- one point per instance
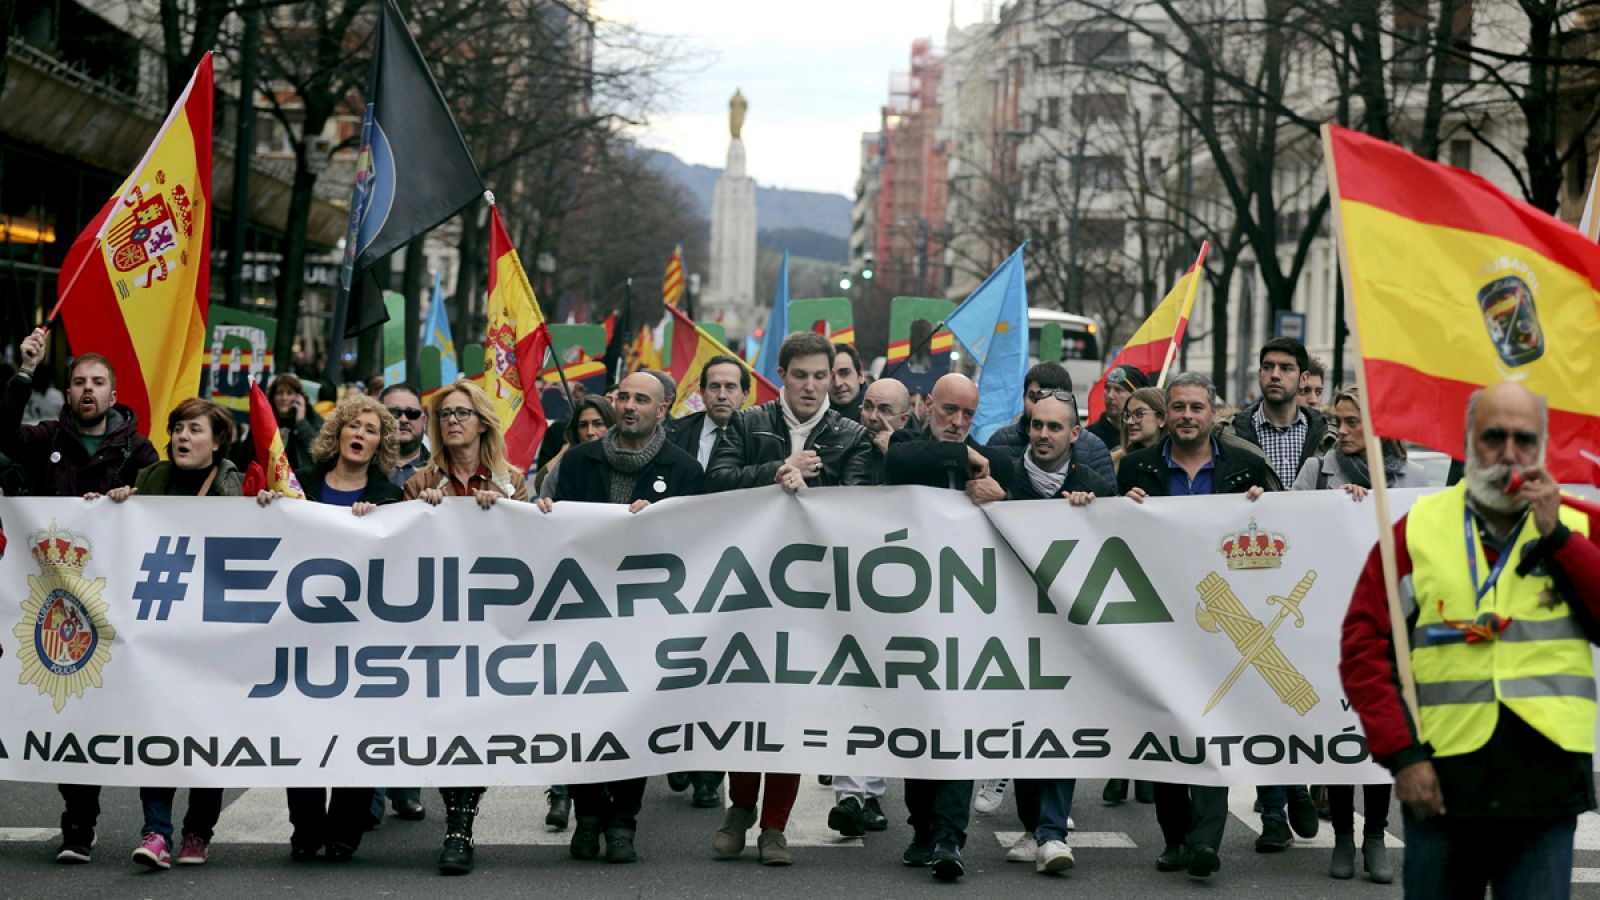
(60, 550)
(1254, 549)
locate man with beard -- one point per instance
(633, 464)
(405, 405)
(1500, 584)
(1089, 450)
(849, 381)
(885, 409)
(92, 447)
(724, 384)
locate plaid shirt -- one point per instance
(1282, 445)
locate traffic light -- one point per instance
(866, 272)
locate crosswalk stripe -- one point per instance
(1585, 876)
(1079, 840)
(1588, 834)
(257, 816)
(28, 834)
(1241, 804)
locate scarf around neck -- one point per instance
(1048, 484)
(623, 465)
(1353, 466)
(799, 431)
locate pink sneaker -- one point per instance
(195, 851)
(153, 852)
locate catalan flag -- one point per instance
(274, 460)
(692, 348)
(1456, 286)
(672, 285)
(1158, 339)
(136, 283)
(515, 351)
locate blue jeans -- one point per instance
(205, 808)
(1275, 801)
(938, 810)
(1055, 805)
(1520, 858)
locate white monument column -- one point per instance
(731, 293)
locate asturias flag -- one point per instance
(136, 283)
(274, 460)
(1457, 286)
(438, 335)
(516, 347)
(692, 348)
(993, 325)
(777, 326)
(1159, 337)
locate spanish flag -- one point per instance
(1159, 338)
(692, 348)
(515, 351)
(1456, 286)
(672, 285)
(276, 472)
(136, 283)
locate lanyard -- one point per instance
(1499, 564)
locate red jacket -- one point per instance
(1366, 659)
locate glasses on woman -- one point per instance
(1135, 416)
(452, 413)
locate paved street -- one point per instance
(1115, 849)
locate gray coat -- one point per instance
(1321, 472)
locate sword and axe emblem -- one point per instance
(1220, 610)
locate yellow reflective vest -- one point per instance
(1540, 668)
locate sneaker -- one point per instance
(153, 852)
(990, 793)
(947, 864)
(195, 851)
(1024, 849)
(918, 853)
(1054, 856)
(1274, 837)
(1071, 825)
(76, 843)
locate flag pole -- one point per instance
(1399, 633)
(55, 311)
(1183, 314)
(550, 350)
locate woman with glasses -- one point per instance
(351, 460)
(1144, 422)
(1344, 467)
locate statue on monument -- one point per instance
(736, 110)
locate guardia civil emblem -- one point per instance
(64, 638)
(1510, 314)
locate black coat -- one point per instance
(55, 460)
(684, 433)
(582, 475)
(916, 458)
(1235, 471)
(1079, 478)
(756, 442)
(379, 490)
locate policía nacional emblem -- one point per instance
(64, 638)
(1220, 610)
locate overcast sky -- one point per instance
(815, 74)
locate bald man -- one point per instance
(1496, 767)
(885, 409)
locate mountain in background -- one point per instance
(806, 223)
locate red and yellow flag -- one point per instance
(515, 351)
(692, 348)
(136, 283)
(1457, 286)
(276, 472)
(1159, 337)
(672, 284)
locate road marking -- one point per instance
(1079, 840)
(1242, 802)
(1585, 876)
(1588, 834)
(28, 834)
(257, 816)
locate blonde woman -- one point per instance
(469, 453)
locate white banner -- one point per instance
(883, 631)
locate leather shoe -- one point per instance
(560, 812)
(873, 817)
(848, 818)
(1203, 861)
(1144, 791)
(706, 797)
(586, 838)
(410, 809)
(1303, 816)
(619, 847)
(678, 781)
(1173, 859)
(1116, 791)
(947, 865)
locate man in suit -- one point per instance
(849, 382)
(636, 465)
(724, 384)
(945, 456)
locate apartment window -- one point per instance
(1058, 51)
(1052, 230)
(1102, 232)
(1411, 36)
(1100, 46)
(1052, 112)
(1102, 173)
(1088, 108)
(1461, 153)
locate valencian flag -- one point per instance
(276, 473)
(672, 284)
(515, 351)
(136, 283)
(1457, 286)
(1159, 338)
(692, 348)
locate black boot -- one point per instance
(460, 809)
